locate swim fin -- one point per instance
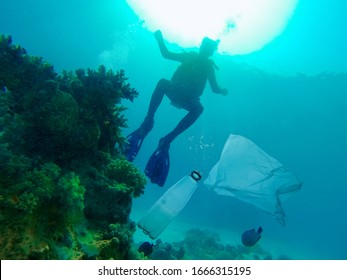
(135, 139)
(158, 166)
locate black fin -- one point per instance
(158, 166)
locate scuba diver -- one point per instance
(184, 90)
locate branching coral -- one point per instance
(126, 176)
(65, 189)
(98, 94)
(21, 72)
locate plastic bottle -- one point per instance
(169, 205)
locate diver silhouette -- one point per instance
(184, 90)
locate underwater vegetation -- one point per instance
(201, 244)
(65, 189)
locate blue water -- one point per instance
(289, 98)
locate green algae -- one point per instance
(65, 188)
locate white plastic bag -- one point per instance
(248, 173)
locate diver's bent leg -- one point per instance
(156, 99)
(185, 123)
(157, 96)
(136, 138)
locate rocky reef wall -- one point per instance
(65, 188)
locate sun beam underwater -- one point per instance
(242, 26)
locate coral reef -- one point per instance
(65, 189)
(201, 244)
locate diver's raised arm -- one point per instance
(164, 50)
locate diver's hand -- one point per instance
(158, 35)
(224, 91)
